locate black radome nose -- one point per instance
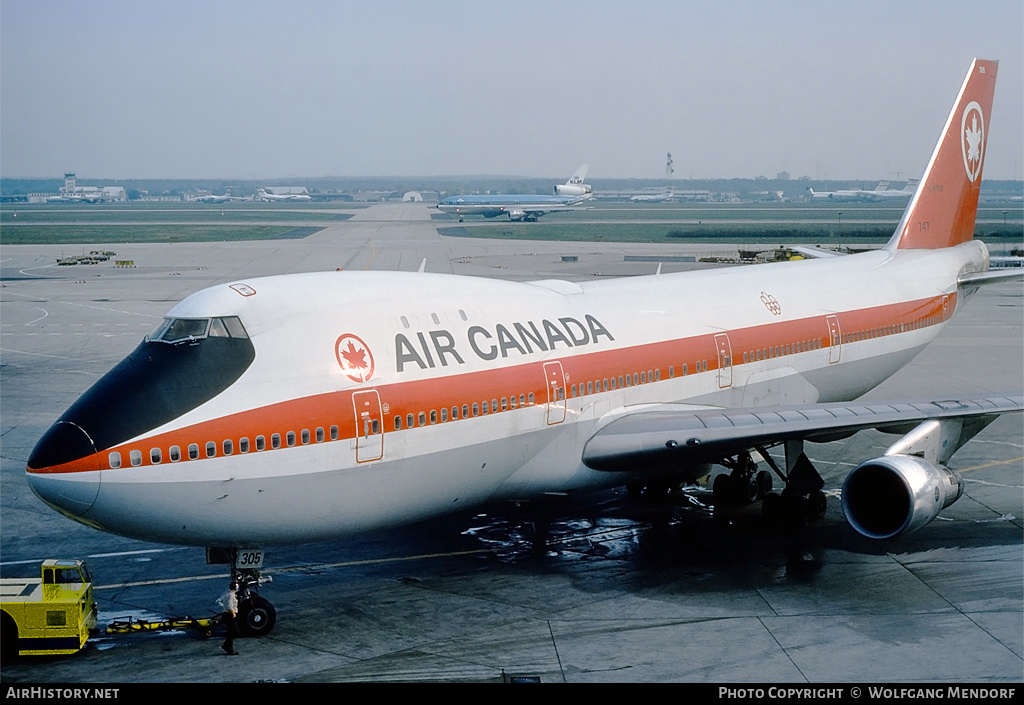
(70, 493)
(62, 443)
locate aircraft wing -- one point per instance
(552, 209)
(992, 276)
(815, 252)
(667, 436)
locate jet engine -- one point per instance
(896, 494)
(573, 190)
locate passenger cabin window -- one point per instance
(115, 459)
(174, 453)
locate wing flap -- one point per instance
(663, 437)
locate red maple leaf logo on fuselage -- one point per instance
(355, 358)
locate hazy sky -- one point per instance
(256, 90)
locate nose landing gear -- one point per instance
(256, 615)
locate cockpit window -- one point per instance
(181, 330)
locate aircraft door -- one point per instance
(369, 425)
(554, 380)
(835, 335)
(724, 348)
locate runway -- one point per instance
(610, 589)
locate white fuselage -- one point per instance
(410, 395)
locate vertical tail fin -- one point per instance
(943, 209)
(575, 186)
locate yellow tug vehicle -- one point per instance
(50, 615)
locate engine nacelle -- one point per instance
(896, 494)
(573, 190)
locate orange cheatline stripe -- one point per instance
(456, 390)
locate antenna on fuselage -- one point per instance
(423, 265)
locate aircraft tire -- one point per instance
(750, 488)
(9, 642)
(258, 616)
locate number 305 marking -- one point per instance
(249, 558)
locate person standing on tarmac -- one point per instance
(229, 602)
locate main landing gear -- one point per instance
(800, 501)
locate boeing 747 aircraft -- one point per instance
(305, 407)
(521, 207)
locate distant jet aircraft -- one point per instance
(262, 195)
(880, 193)
(521, 207)
(526, 208)
(210, 198)
(575, 186)
(307, 407)
(848, 194)
(653, 198)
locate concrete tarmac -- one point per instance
(607, 589)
